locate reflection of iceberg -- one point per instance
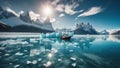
(79, 42)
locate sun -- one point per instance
(47, 11)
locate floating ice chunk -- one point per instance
(34, 52)
(16, 66)
(34, 62)
(71, 33)
(28, 62)
(7, 54)
(55, 35)
(74, 64)
(59, 34)
(70, 50)
(59, 59)
(49, 63)
(25, 42)
(25, 50)
(42, 35)
(18, 53)
(54, 50)
(39, 59)
(33, 40)
(72, 58)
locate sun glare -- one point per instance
(47, 11)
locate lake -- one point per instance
(28, 50)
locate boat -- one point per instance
(65, 37)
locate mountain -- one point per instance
(10, 17)
(104, 32)
(28, 28)
(117, 32)
(4, 14)
(84, 29)
(4, 27)
(33, 18)
(30, 20)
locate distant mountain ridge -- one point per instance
(84, 29)
(117, 32)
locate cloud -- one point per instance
(61, 15)
(91, 11)
(12, 11)
(52, 20)
(55, 2)
(68, 8)
(33, 16)
(60, 7)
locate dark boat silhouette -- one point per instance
(65, 37)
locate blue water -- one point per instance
(31, 51)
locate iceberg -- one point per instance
(55, 35)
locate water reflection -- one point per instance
(50, 52)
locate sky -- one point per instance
(102, 14)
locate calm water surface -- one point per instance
(31, 51)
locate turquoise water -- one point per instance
(31, 51)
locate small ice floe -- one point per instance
(34, 52)
(32, 40)
(55, 35)
(39, 59)
(59, 59)
(70, 50)
(16, 66)
(24, 42)
(54, 50)
(7, 54)
(74, 64)
(25, 50)
(18, 53)
(28, 62)
(34, 62)
(72, 58)
(49, 63)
